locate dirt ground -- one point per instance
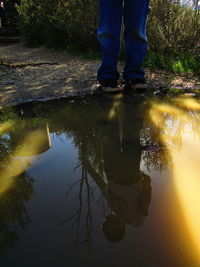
(37, 74)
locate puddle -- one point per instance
(112, 181)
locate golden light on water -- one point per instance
(189, 103)
(35, 142)
(6, 126)
(186, 173)
(179, 123)
(15, 168)
(114, 109)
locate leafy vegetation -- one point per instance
(176, 64)
(173, 30)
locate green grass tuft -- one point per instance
(184, 64)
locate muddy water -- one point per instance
(113, 181)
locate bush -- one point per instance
(173, 30)
(59, 22)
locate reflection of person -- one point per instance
(134, 15)
(127, 190)
(129, 204)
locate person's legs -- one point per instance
(109, 38)
(135, 15)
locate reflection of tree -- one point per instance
(89, 139)
(110, 147)
(84, 123)
(13, 215)
(88, 126)
(168, 120)
(83, 234)
(154, 154)
(5, 149)
(16, 187)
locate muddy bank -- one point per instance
(36, 74)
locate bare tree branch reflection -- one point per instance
(81, 222)
(113, 136)
(110, 149)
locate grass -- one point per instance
(183, 64)
(175, 91)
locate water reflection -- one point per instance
(112, 150)
(18, 145)
(124, 145)
(14, 215)
(110, 153)
(178, 122)
(24, 144)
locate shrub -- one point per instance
(173, 30)
(59, 22)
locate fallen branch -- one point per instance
(26, 65)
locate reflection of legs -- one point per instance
(109, 38)
(131, 148)
(135, 15)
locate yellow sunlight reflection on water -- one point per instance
(179, 125)
(116, 104)
(187, 183)
(34, 143)
(6, 126)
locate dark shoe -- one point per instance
(110, 86)
(136, 84)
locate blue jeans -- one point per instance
(134, 15)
